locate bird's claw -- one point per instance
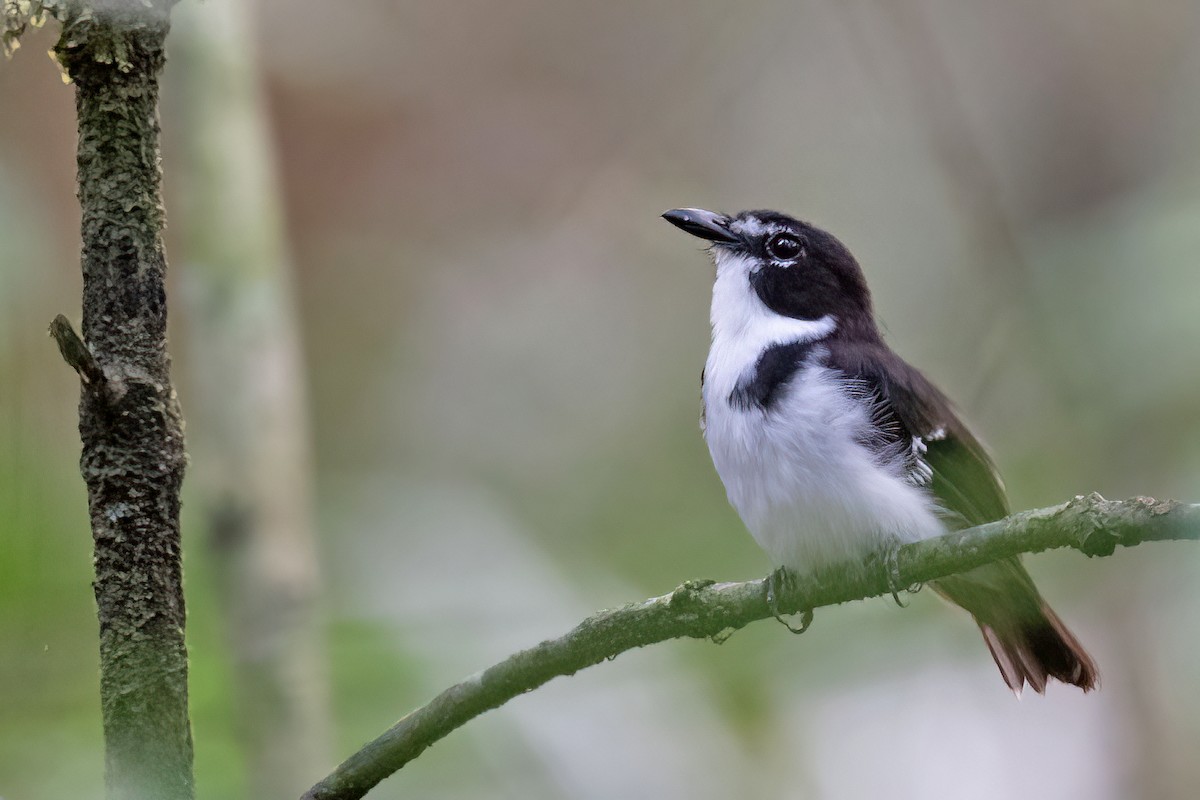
(784, 579)
(891, 570)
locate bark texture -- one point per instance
(133, 451)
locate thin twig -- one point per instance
(705, 609)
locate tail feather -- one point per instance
(1028, 641)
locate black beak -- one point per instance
(705, 224)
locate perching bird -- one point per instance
(834, 450)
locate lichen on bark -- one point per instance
(22, 14)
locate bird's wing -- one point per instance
(1028, 641)
(912, 413)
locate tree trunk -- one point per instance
(132, 431)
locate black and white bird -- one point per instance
(833, 449)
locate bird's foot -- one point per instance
(890, 560)
(784, 580)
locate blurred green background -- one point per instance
(501, 344)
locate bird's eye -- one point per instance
(783, 247)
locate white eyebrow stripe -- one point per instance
(750, 227)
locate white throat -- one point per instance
(742, 326)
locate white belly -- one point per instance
(809, 492)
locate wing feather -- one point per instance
(913, 410)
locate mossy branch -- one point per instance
(706, 609)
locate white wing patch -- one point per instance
(920, 473)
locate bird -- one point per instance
(836, 451)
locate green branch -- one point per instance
(705, 609)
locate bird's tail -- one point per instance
(1027, 639)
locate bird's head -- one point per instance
(791, 267)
